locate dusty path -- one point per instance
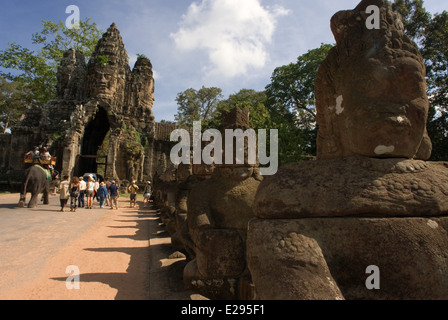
(120, 254)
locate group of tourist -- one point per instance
(107, 193)
(77, 189)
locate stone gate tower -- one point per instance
(102, 115)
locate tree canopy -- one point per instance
(34, 71)
(14, 99)
(197, 105)
(292, 86)
(290, 100)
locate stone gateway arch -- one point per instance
(101, 118)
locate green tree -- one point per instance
(415, 17)
(12, 98)
(250, 99)
(292, 86)
(435, 52)
(197, 105)
(290, 101)
(37, 70)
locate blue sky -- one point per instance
(230, 44)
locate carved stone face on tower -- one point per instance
(106, 83)
(371, 90)
(108, 69)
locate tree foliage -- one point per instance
(435, 52)
(292, 86)
(290, 101)
(12, 98)
(197, 105)
(35, 71)
(254, 101)
(415, 17)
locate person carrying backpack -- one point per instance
(114, 195)
(132, 189)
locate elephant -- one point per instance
(35, 180)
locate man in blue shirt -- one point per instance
(114, 195)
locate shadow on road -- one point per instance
(146, 270)
(8, 205)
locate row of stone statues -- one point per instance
(367, 220)
(206, 210)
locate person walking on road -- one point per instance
(74, 193)
(95, 191)
(90, 187)
(114, 195)
(82, 192)
(132, 189)
(107, 183)
(102, 194)
(64, 192)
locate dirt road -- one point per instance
(118, 254)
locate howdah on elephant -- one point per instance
(36, 180)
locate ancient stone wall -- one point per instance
(5, 143)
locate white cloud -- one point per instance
(233, 33)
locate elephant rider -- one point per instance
(34, 154)
(46, 156)
(37, 158)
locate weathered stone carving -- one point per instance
(171, 191)
(219, 210)
(188, 175)
(165, 188)
(71, 76)
(341, 210)
(355, 186)
(327, 258)
(371, 90)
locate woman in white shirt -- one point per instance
(89, 192)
